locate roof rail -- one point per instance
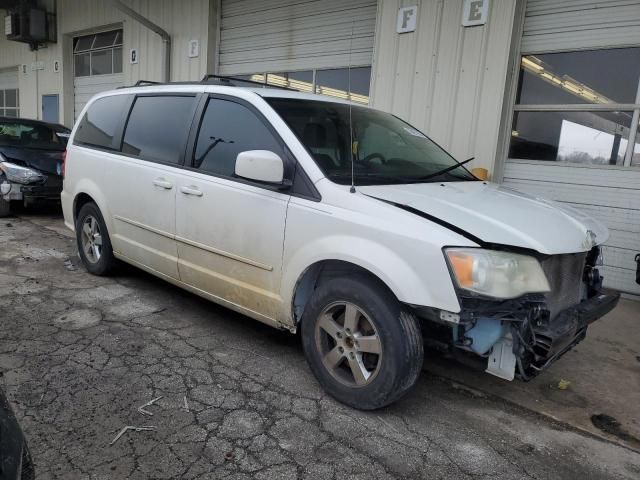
(141, 83)
(227, 80)
(210, 78)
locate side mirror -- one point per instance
(260, 165)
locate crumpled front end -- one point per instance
(521, 337)
(24, 183)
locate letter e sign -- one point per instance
(475, 12)
(407, 18)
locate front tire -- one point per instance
(94, 244)
(362, 345)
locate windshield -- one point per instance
(32, 135)
(385, 149)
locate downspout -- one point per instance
(166, 38)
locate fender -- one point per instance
(403, 279)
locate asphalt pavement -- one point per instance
(80, 354)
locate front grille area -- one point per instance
(564, 273)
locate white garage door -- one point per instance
(574, 131)
(97, 66)
(284, 35)
(86, 87)
(9, 98)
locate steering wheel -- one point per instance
(373, 155)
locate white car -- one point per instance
(342, 222)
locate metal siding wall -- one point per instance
(184, 20)
(280, 35)
(446, 79)
(612, 195)
(556, 25)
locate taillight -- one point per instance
(64, 160)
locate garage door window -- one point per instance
(578, 107)
(334, 82)
(99, 54)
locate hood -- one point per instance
(43, 160)
(499, 215)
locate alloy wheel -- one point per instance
(91, 239)
(349, 344)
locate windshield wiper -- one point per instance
(443, 171)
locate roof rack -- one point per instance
(211, 79)
(141, 83)
(227, 80)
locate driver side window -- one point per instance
(227, 129)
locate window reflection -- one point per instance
(596, 138)
(333, 82)
(592, 76)
(301, 81)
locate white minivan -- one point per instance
(340, 221)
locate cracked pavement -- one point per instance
(79, 354)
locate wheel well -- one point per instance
(321, 272)
(79, 202)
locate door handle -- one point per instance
(162, 183)
(191, 191)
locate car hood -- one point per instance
(499, 215)
(44, 160)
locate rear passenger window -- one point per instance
(102, 122)
(227, 129)
(157, 128)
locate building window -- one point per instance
(99, 54)
(9, 103)
(335, 82)
(571, 107)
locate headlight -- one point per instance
(496, 274)
(17, 174)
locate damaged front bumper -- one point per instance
(519, 338)
(538, 340)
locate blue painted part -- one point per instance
(485, 333)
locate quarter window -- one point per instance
(102, 121)
(157, 128)
(227, 129)
(568, 110)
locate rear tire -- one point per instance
(363, 346)
(94, 244)
(5, 208)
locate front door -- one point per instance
(230, 232)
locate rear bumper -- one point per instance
(541, 340)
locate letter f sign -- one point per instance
(406, 19)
